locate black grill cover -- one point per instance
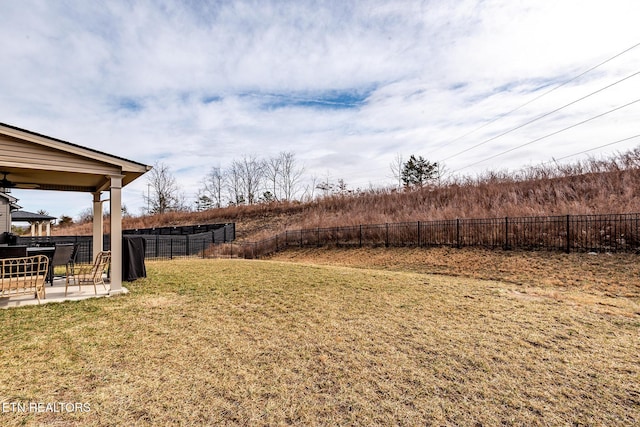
(133, 250)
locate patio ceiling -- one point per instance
(34, 161)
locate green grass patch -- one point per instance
(235, 342)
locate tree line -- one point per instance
(250, 180)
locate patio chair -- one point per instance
(71, 265)
(62, 255)
(89, 274)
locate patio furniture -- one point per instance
(13, 251)
(46, 251)
(62, 255)
(74, 255)
(23, 276)
(88, 274)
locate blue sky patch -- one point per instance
(331, 100)
(458, 85)
(129, 104)
(208, 99)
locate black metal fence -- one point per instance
(163, 243)
(579, 233)
(224, 232)
(84, 243)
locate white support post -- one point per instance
(98, 238)
(33, 229)
(48, 228)
(116, 233)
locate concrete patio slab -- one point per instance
(55, 293)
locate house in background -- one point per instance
(8, 204)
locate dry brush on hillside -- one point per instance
(589, 187)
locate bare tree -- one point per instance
(272, 174)
(443, 174)
(282, 176)
(213, 184)
(310, 189)
(250, 180)
(164, 193)
(234, 183)
(290, 175)
(397, 165)
(326, 186)
(251, 174)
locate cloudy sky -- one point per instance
(345, 85)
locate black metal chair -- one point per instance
(64, 254)
(72, 262)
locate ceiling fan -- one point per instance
(7, 184)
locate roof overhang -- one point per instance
(32, 160)
(12, 201)
(24, 216)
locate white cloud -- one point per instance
(197, 84)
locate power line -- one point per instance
(379, 181)
(598, 147)
(540, 96)
(533, 100)
(548, 135)
(542, 116)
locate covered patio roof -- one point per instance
(24, 216)
(29, 160)
(35, 219)
(35, 161)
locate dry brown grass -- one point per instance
(591, 187)
(608, 282)
(235, 342)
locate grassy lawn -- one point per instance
(234, 342)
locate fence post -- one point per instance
(418, 233)
(360, 235)
(187, 245)
(386, 239)
(300, 237)
(286, 238)
(231, 252)
(637, 234)
(276, 243)
(171, 248)
(568, 236)
(157, 245)
(458, 233)
(318, 236)
(506, 233)
(203, 248)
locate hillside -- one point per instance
(597, 186)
